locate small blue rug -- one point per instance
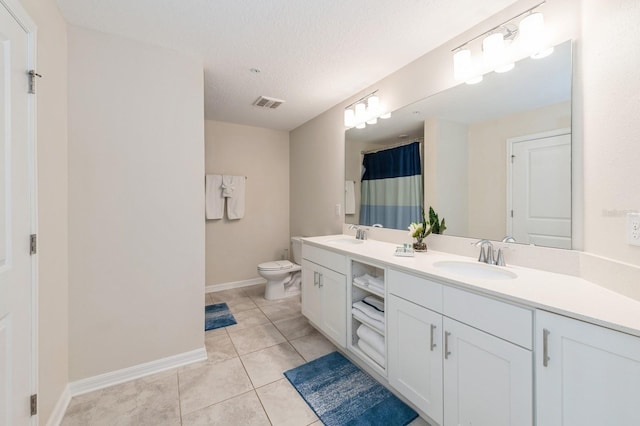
(342, 394)
(216, 316)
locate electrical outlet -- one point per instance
(633, 229)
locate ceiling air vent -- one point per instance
(265, 102)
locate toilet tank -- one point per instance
(296, 249)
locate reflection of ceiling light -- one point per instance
(365, 110)
(496, 54)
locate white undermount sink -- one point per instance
(345, 241)
(475, 270)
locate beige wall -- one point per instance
(609, 86)
(136, 202)
(52, 203)
(236, 247)
(487, 163)
(446, 182)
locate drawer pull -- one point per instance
(433, 343)
(545, 347)
(447, 352)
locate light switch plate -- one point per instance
(633, 229)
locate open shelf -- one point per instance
(357, 292)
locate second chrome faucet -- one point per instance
(488, 255)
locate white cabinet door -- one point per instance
(311, 297)
(487, 381)
(591, 375)
(415, 354)
(333, 287)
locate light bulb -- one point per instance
(495, 53)
(361, 113)
(462, 64)
(373, 106)
(534, 37)
(349, 117)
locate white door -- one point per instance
(487, 381)
(415, 355)
(333, 287)
(15, 224)
(541, 190)
(591, 376)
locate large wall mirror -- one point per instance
(496, 156)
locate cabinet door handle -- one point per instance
(433, 343)
(447, 352)
(315, 278)
(545, 347)
(320, 283)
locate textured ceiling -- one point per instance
(311, 53)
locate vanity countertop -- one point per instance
(562, 294)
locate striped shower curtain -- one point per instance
(391, 192)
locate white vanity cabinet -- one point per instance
(463, 359)
(324, 291)
(585, 374)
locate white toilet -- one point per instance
(283, 277)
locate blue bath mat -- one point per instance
(342, 394)
(216, 316)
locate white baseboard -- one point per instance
(60, 408)
(234, 284)
(135, 372)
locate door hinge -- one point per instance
(32, 81)
(511, 213)
(512, 157)
(33, 244)
(34, 404)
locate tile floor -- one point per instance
(241, 382)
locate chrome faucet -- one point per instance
(361, 233)
(508, 239)
(486, 257)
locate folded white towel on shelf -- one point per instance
(375, 340)
(362, 317)
(376, 287)
(369, 311)
(235, 201)
(361, 281)
(214, 201)
(371, 353)
(377, 282)
(374, 302)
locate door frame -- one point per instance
(21, 16)
(510, 143)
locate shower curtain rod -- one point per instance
(384, 148)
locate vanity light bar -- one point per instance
(358, 114)
(533, 40)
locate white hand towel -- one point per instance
(235, 202)
(214, 201)
(227, 186)
(369, 311)
(349, 197)
(362, 317)
(375, 340)
(371, 353)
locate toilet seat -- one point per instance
(277, 265)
